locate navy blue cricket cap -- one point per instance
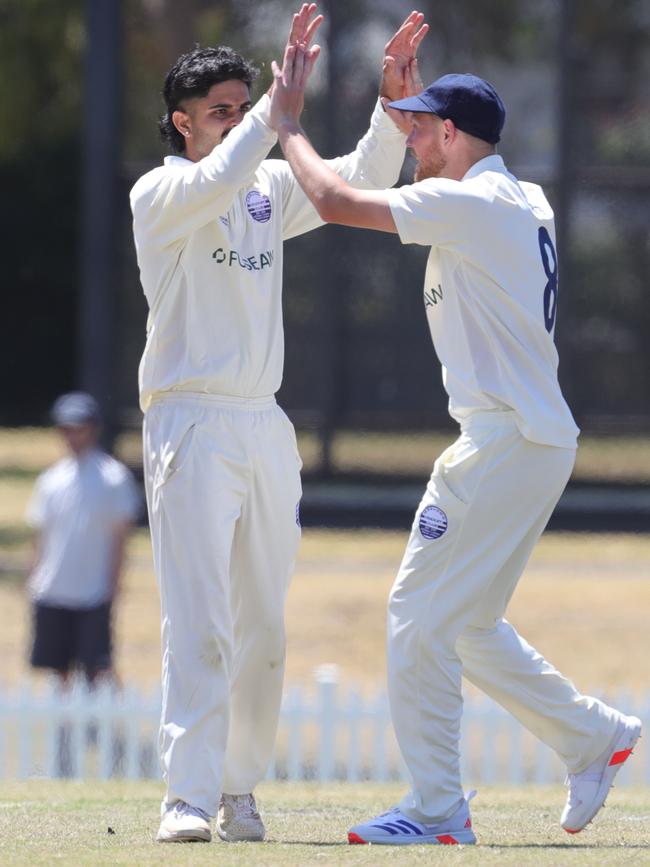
(471, 103)
(74, 409)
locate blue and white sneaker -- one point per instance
(395, 829)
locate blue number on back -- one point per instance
(547, 250)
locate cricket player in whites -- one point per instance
(222, 470)
(490, 296)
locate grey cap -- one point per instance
(74, 409)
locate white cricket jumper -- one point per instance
(490, 296)
(221, 465)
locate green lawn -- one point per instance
(45, 823)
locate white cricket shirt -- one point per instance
(209, 236)
(490, 294)
(76, 505)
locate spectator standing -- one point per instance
(82, 509)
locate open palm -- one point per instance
(400, 54)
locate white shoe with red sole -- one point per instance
(588, 789)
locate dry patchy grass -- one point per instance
(583, 602)
(42, 823)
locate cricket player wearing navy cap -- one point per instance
(490, 296)
(222, 471)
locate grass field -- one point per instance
(45, 823)
(583, 601)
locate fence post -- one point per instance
(354, 716)
(381, 716)
(25, 708)
(489, 717)
(327, 678)
(293, 713)
(516, 751)
(102, 720)
(79, 733)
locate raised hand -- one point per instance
(302, 28)
(412, 85)
(412, 79)
(400, 62)
(288, 95)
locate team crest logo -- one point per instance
(433, 522)
(259, 206)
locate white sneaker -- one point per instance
(395, 829)
(588, 789)
(181, 823)
(238, 819)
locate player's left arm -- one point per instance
(334, 199)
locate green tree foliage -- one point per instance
(347, 299)
(41, 50)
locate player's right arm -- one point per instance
(439, 205)
(376, 162)
(173, 201)
(332, 197)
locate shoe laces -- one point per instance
(241, 805)
(393, 810)
(181, 808)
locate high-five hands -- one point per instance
(400, 70)
(303, 27)
(288, 96)
(400, 74)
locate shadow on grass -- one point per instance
(566, 846)
(561, 846)
(323, 845)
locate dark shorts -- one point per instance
(68, 638)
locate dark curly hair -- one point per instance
(193, 75)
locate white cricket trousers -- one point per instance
(489, 498)
(223, 486)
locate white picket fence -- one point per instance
(325, 734)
